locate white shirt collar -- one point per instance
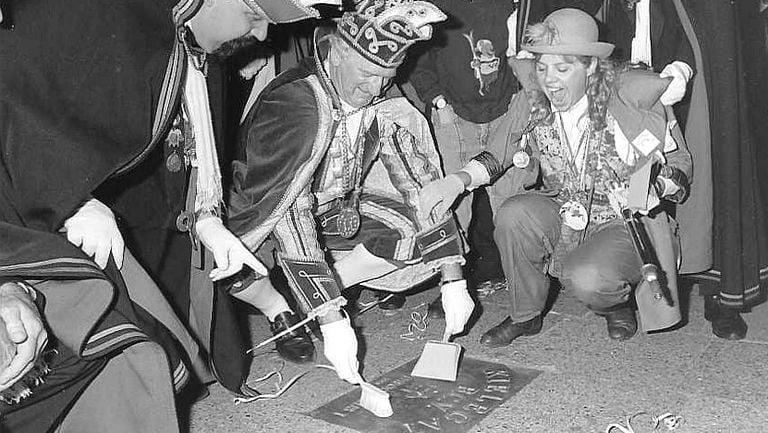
(574, 121)
(576, 110)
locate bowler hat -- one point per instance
(567, 32)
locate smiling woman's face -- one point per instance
(563, 79)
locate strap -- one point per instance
(439, 241)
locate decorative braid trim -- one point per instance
(491, 164)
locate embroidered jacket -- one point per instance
(292, 165)
(645, 127)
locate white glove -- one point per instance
(458, 307)
(229, 253)
(340, 348)
(439, 195)
(22, 328)
(680, 73)
(94, 230)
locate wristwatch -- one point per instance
(440, 102)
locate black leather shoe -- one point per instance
(727, 324)
(296, 346)
(394, 302)
(507, 331)
(435, 309)
(622, 323)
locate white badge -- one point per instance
(574, 215)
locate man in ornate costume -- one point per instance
(320, 150)
(87, 92)
(168, 206)
(598, 142)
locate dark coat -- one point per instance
(80, 87)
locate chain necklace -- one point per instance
(348, 221)
(571, 156)
(350, 149)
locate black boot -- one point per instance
(621, 323)
(507, 331)
(726, 323)
(296, 346)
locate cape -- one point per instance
(733, 65)
(86, 89)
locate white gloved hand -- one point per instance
(340, 348)
(680, 73)
(94, 230)
(229, 253)
(439, 195)
(458, 307)
(22, 328)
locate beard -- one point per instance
(227, 49)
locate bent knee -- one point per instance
(517, 211)
(582, 279)
(589, 283)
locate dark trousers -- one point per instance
(600, 271)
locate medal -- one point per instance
(348, 221)
(173, 162)
(574, 215)
(521, 159)
(173, 142)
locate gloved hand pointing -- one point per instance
(229, 253)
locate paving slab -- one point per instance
(709, 414)
(587, 381)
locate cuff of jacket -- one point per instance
(312, 281)
(491, 164)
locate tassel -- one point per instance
(209, 189)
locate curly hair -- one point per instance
(599, 86)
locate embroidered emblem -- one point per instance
(484, 62)
(646, 142)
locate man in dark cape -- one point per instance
(61, 137)
(87, 91)
(734, 65)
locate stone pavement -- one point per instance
(588, 381)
